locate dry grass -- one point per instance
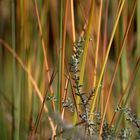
(81, 58)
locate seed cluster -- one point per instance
(132, 118)
(129, 116)
(74, 69)
(68, 104)
(125, 134)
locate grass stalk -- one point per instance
(89, 27)
(63, 54)
(3, 131)
(137, 54)
(97, 45)
(34, 131)
(65, 96)
(106, 58)
(69, 70)
(138, 31)
(104, 51)
(44, 50)
(124, 92)
(72, 21)
(133, 79)
(16, 111)
(31, 79)
(117, 63)
(60, 56)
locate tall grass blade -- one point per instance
(89, 27)
(106, 58)
(117, 63)
(134, 80)
(16, 95)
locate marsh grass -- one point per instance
(69, 69)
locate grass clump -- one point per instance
(65, 66)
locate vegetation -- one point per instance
(69, 69)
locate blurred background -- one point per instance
(34, 31)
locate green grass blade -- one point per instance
(106, 58)
(60, 55)
(85, 53)
(127, 97)
(16, 109)
(137, 55)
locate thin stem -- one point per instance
(72, 21)
(31, 79)
(106, 58)
(97, 45)
(44, 50)
(63, 55)
(85, 53)
(117, 63)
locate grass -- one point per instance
(69, 69)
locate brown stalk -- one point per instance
(104, 51)
(117, 64)
(97, 45)
(72, 21)
(65, 96)
(82, 11)
(73, 40)
(63, 55)
(33, 133)
(44, 51)
(85, 19)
